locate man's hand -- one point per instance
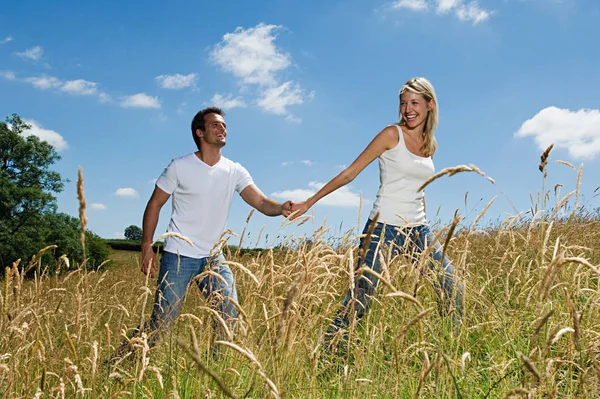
(300, 208)
(149, 264)
(286, 208)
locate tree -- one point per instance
(27, 187)
(133, 233)
(28, 217)
(65, 232)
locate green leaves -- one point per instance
(28, 185)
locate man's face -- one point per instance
(215, 130)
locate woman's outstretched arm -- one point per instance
(385, 140)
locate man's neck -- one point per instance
(209, 155)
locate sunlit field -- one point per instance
(531, 323)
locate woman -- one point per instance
(404, 151)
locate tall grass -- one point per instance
(531, 324)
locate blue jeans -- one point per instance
(176, 273)
(411, 241)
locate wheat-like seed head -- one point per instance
(82, 204)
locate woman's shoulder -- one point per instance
(391, 135)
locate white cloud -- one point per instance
(34, 53)
(80, 87)
(251, 54)
(342, 197)
(126, 193)
(306, 162)
(44, 82)
(8, 75)
(52, 137)
(444, 6)
(99, 207)
(6, 40)
(176, 81)
(467, 12)
(577, 131)
(286, 163)
(276, 99)
(140, 100)
(75, 87)
(472, 12)
(119, 234)
(293, 119)
(415, 5)
(228, 102)
(104, 98)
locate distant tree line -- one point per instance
(29, 220)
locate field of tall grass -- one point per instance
(531, 323)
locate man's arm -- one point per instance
(156, 202)
(256, 199)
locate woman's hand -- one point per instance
(300, 209)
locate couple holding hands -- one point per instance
(202, 185)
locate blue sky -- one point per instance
(306, 86)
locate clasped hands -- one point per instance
(294, 209)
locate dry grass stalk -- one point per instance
(414, 321)
(425, 370)
(517, 392)
(451, 171)
(463, 361)
(250, 356)
(243, 269)
(367, 240)
(82, 217)
(287, 302)
(542, 323)
(7, 280)
(158, 375)
(584, 262)
(545, 242)
(212, 274)
(70, 344)
(239, 246)
(544, 159)
(176, 235)
(195, 355)
(578, 188)
(530, 366)
(220, 320)
(483, 212)
(576, 325)
(570, 165)
(94, 360)
(560, 333)
(561, 204)
(404, 295)
(548, 277)
(36, 259)
(365, 269)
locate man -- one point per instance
(202, 185)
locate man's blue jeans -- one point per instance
(176, 273)
(411, 241)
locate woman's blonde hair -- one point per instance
(425, 88)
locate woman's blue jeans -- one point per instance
(411, 241)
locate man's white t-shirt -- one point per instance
(201, 199)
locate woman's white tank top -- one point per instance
(401, 173)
